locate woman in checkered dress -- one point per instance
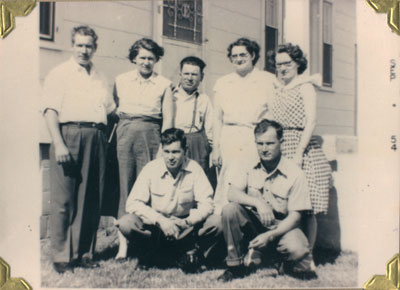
(294, 107)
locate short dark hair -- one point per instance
(295, 53)
(194, 61)
(84, 30)
(147, 44)
(172, 135)
(251, 46)
(263, 126)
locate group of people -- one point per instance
(272, 176)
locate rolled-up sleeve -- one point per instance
(108, 101)
(203, 193)
(139, 199)
(299, 196)
(52, 93)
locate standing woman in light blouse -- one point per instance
(295, 109)
(144, 109)
(240, 100)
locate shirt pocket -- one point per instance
(186, 196)
(158, 199)
(255, 186)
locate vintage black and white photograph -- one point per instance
(199, 144)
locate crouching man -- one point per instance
(170, 210)
(262, 219)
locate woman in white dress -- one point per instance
(240, 100)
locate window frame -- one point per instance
(279, 7)
(51, 35)
(194, 31)
(318, 44)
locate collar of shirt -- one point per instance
(138, 78)
(180, 92)
(252, 76)
(77, 67)
(282, 168)
(186, 166)
(301, 79)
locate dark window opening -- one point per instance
(46, 20)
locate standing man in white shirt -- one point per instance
(76, 104)
(193, 111)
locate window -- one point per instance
(46, 20)
(321, 40)
(183, 20)
(327, 44)
(273, 30)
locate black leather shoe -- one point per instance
(303, 275)
(63, 267)
(190, 261)
(233, 273)
(87, 263)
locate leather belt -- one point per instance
(99, 126)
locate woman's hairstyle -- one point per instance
(295, 53)
(147, 44)
(172, 135)
(84, 30)
(251, 46)
(263, 126)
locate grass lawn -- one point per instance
(112, 274)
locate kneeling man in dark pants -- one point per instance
(262, 219)
(170, 209)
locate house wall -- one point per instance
(336, 107)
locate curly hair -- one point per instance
(147, 44)
(84, 30)
(251, 46)
(295, 53)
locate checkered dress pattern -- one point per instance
(288, 110)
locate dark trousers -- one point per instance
(150, 240)
(198, 149)
(240, 225)
(138, 142)
(76, 193)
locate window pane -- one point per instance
(327, 65)
(183, 20)
(271, 13)
(46, 20)
(327, 23)
(315, 36)
(271, 43)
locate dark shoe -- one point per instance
(87, 263)
(233, 273)
(303, 275)
(121, 260)
(253, 260)
(63, 267)
(190, 262)
(145, 262)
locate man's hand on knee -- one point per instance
(168, 226)
(261, 241)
